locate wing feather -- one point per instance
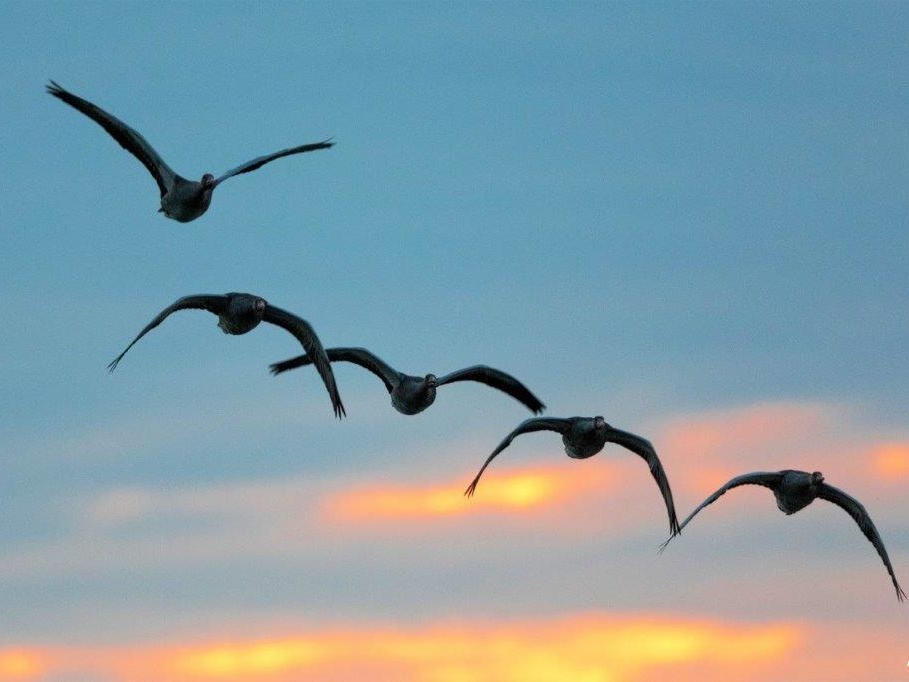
(644, 448)
(306, 335)
(358, 356)
(128, 138)
(768, 479)
(528, 425)
(211, 303)
(857, 511)
(496, 379)
(260, 161)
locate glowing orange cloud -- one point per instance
(513, 491)
(20, 664)
(891, 461)
(726, 433)
(592, 647)
(244, 660)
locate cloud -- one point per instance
(568, 500)
(716, 445)
(523, 491)
(762, 426)
(21, 664)
(890, 461)
(591, 646)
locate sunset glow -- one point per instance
(583, 647)
(520, 222)
(511, 492)
(891, 461)
(265, 658)
(20, 665)
(726, 432)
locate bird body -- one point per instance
(242, 313)
(794, 490)
(181, 199)
(412, 394)
(186, 200)
(239, 313)
(584, 437)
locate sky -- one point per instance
(690, 219)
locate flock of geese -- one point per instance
(238, 313)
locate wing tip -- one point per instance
(54, 88)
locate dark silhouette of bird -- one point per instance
(795, 490)
(413, 394)
(181, 199)
(241, 313)
(584, 437)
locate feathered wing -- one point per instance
(528, 425)
(644, 448)
(214, 304)
(128, 138)
(768, 479)
(857, 511)
(306, 335)
(262, 160)
(497, 379)
(358, 356)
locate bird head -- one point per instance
(599, 423)
(259, 306)
(817, 478)
(208, 181)
(431, 380)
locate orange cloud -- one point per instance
(233, 661)
(594, 647)
(891, 461)
(21, 664)
(526, 489)
(726, 433)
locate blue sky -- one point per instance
(662, 214)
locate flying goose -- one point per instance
(795, 490)
(240, 313)
(181, 199)
(584, 437)
(413, 394)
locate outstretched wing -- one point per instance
(262, 160)
(528, 425)
(768, 479)
(856, 510)
(306, 335)
(213, 304)
(644, 448)
(128, 138)
(497, 379)
(359, 356)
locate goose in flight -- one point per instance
(181, 199)
(240, 313)
(795, 490)
(584, 437)
(413, 394)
